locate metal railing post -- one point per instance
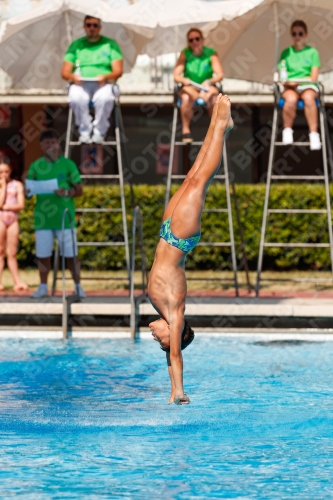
(171, 157)
(137, 223)
(121, 183)
(231, 228)
(67, 300)
(267, 191)
(55, 269)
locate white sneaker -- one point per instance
(41, 292)
(287, 135)
(314, 141)
(97, 137)
(79, 291)
(85, 138)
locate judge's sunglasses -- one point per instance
(195, 39)
(92, 25)
(298, 33)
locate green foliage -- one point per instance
(281, 227)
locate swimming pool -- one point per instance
(88, 419)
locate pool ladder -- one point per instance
(67, 300)
(135, 300)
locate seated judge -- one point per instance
(92, 64)
(197, 64)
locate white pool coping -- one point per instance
(232, 307)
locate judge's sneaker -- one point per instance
(314, 141)
(97, 137)
(85, 138)
(287, 136)
(41, 292)
(79, 291)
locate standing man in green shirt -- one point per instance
(92, 64)
(197, 66)
(49, 209)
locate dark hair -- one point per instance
(187, 338)
(92, 17)
(4, 160)
(300, 24)
(49, 133)
(194, 29)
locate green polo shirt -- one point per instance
(198, 68)
(93, 58)
(299, 63)
(49, 207)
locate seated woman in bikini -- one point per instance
(180, 233)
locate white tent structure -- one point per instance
(250, 45)
(32, 45)
(248, 35)
(171, 19)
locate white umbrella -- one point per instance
(171, 19)
(250, 44)
(32, 45)
(248, 35)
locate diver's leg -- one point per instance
(186, 216)
(174, 200)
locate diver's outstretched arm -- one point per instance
(172, 380)
(176, 322)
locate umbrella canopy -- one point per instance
(171, 19)
(250, 44)
(248, 35)
(32, 45)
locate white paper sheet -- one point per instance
(198, 86)
(41, 187)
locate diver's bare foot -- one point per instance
(224, 113)
(215, 108)
(182, 400)
(21, 287)
(171, 400)
(1, 288)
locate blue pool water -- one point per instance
(88, 419)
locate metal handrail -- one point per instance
(137, 224)
(67, 300)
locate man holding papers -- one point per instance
(58, 181)
(92, 64)
(198, 69)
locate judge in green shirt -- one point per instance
(299, 69)
(92, 64)
(197, 64)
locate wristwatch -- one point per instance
(66, 192)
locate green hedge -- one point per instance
(285, 228)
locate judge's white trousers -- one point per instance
(80, 96)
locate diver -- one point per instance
(180, 233)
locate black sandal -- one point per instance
(187, 138)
